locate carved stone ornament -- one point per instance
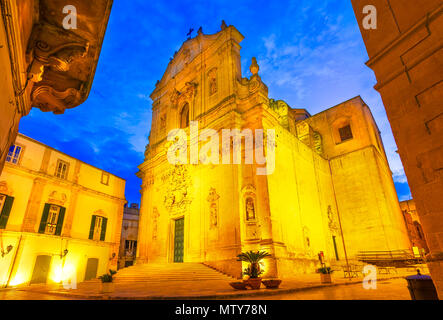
(58, 198)
(213, 207)
(155, 216)
(5, 189)
(62, 61)
(332, 224)
(177, 183)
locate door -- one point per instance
(41, 269)
(179, 237)
(91, 269)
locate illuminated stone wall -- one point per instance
(405, 54)
(296, 210)
(84, 192)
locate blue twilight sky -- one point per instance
(310, 53)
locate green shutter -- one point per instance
(103, 234)
(44, 220)
(91, 229)
(61, 217)
(4, 215)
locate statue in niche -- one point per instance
(155, 216)
(213, 208)
(163, 123)
(212, 86)
(250, 209)
(212, 81)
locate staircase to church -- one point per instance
(152, 272)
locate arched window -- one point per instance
(184, 116)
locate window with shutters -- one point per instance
(97, 230)
(52, 219)
(61, 170)
(51, 222)
(5, 209)
(345, 133)
(2, 201)
(14, 154)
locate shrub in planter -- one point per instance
(253, 270)
(325, 274)
(107, 284)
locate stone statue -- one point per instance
(250, 210)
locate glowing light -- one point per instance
(64, 273)
(18, 280)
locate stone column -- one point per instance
(116, 235)
(70, 211)
(32, 212)
(142, 237)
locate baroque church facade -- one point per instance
(331, 190)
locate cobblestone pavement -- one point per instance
(29, 295)
(394, 289)
(390, 286)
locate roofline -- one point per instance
(52, 148)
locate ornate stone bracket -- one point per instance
(177, 97)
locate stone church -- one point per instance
(331, 190)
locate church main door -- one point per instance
(179, 237)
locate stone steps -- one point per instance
(145, 273)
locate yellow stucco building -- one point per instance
(60, 217)
(330, 171)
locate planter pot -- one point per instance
(254, 283)
(272, 283)
(107, 287)
(325, 278)
(238, 285)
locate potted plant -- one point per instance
(325, 274)
(253, 271)
(107, 284)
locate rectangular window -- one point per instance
(105, 178)
(61, 170)
(52, 219)
(5, 209)
(97, 230)
(14, 154)
(345, 133)
(51, 222)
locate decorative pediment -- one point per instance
(101, 213)
(191, 48)
(5, 188)
(58, 198)
(186, 94)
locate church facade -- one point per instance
(331, 190)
